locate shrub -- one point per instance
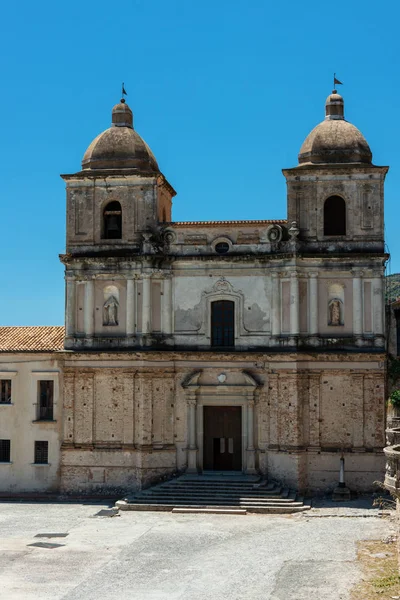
(394, 399)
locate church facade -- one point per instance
(254, 346)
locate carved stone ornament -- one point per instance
(335, 309)
(274, 233)
(294, 231)
(110, 312)
(169, 236)
(221, 377)
(222, 285)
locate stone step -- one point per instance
(219, 480)
(254, 509)
(196, 493)
(193, 484)
(211, 511)
(210, 501)
(215, 476)
(216, 486)
(214, 498)
(202, 488)
(220, 494)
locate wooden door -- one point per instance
(222, 438)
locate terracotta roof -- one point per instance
(214, 223)
(31, 339)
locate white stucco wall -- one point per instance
(18, 423)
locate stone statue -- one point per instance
(110, 311)
(335, 309)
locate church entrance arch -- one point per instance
(221, 431)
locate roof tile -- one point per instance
(31, 339)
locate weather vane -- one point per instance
(336, 82)
(123, 93)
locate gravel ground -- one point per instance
(164, 556)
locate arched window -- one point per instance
(223, 323)
(335, 216)
(112, 221)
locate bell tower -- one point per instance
(115, 204)
(335, 200)
(335, 194)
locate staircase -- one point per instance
(216, 493)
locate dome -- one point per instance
(120, 147)
(335, 140)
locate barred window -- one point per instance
(41, 453)
(45, 403)
(5, 391)
(5, 447)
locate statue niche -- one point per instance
(335, 311)
(110, 311)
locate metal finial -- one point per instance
(123, 93)
(335, 83)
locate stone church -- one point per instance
(253, 346)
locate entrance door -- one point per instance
(222, 438)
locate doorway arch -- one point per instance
(216, 389)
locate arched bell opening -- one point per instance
(112, 221)
(335, 216)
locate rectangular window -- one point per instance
(45, 403)
(5, 446)
(222, 323)
(41, 453)
(5, 391)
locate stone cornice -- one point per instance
(174, 356)
(335, 258)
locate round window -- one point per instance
(222, 247)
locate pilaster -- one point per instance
(313, 303)
(294, 306)
(89, 308)
(70, 308)
(166, 307)
(276, 305)
(192, 449)
(146, 303)
(357, 304)
(377, 295)
(130, 306)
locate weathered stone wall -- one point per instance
(126, 416)
(172, 307)
(87, 199)
(360, 187)
(118, 427)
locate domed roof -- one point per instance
(120, 147)
(335, 140)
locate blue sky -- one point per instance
(223, 91)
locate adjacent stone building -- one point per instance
(253, 346)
